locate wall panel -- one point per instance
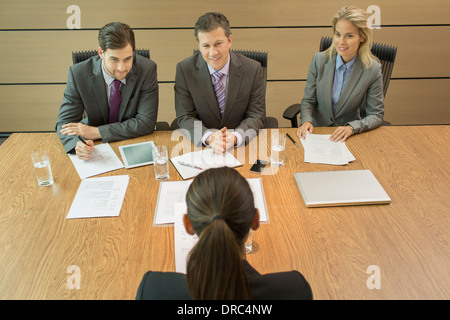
(37, 46)
(50, 14)
(408, 102)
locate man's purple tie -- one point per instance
(219, 88)
(115, 100)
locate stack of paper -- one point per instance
(173, 193)
(203, 159)
(99, 197)
(320, 149)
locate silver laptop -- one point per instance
(340, 188)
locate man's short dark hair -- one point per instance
(211, 21)
(116, 35)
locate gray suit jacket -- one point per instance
(360, 104)
(86, 92)
(245, 109)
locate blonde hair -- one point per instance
(358, 18)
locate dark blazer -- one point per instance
(86, 92)
(272, 286)
(195, 98)
(360, 104)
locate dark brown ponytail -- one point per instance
(221, 209)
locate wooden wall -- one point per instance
(36, 47)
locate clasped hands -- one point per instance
(221, 140)
(340, 134)
(83, 151)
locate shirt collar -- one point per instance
(108, 79)
(225, 70)
(340, 63)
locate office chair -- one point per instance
(385, 53)
(79, 56)
(261, 57)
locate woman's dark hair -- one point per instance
(220, 208)
(116, 35)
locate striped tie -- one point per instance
(219, 88)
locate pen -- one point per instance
(189, 165)
(82, 140)
(292, 139)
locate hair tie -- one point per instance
(219, 216)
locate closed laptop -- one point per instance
(340, 188)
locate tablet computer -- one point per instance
(138, 154)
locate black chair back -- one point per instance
(385, 53)
(78, 56)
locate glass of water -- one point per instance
(249, 242)
(161, 162)
(41, 163)
(278, 144)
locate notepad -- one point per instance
(340, 188)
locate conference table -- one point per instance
(391, 251)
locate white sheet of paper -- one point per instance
(204, 159)
(103, 159)
(184, 242)
(320, 149)
(99, 197)
(172, 193)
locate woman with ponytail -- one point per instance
(221, 211)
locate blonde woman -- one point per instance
(344, 88)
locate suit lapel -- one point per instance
(329, 69)
(99, 87)
(205, 84)
(234, 83)
(350, 85)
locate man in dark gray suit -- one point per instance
(217, 90)
(117, 90)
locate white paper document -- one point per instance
(103, 159)
(320, 149)
(172, 195)
(203, 159)
(99, 197)
(184, 242)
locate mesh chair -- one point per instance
(78, 56)
(261, 57)
(385, 53)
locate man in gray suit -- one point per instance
(116, 90)
(217, 90)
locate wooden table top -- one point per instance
(335, 248)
